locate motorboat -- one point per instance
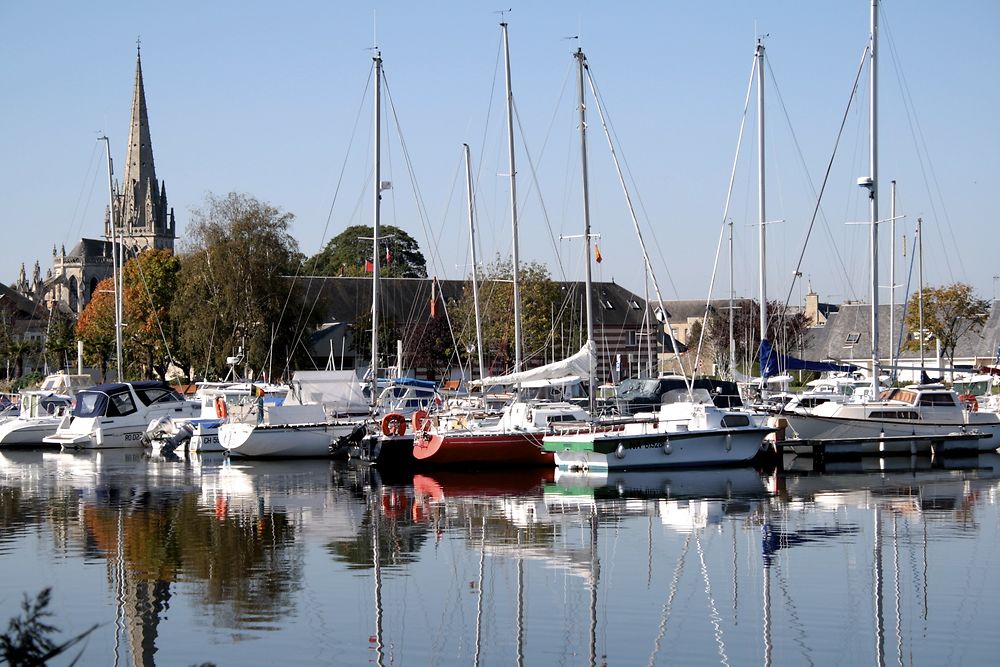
(286, 431)
(117, 415)
(42, 409)
(688, 430)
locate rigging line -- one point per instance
(725, 212)
(669, 603)
(920, 142)
(326, 227)
(92, 168)
(421, 207)
(635, 224)
(631, 178)
(489, 109)
(537, 188)
(149, 296)
(826, 175)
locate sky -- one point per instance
(274, 100)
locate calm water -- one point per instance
(259, 563)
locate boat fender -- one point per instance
(393, 425)
(420, 421)
(668, 448)
(221, 409)
(620, 451)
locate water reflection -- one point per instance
(727, 565)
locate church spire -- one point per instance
(139, 170)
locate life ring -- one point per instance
(221, 409)
(420, 421)
(970, 402)
(393, 425)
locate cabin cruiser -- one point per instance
(42, 409)
(911, 415)
(117, 415)
(687, 430)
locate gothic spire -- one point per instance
(139, 170)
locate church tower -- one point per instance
(142, 216)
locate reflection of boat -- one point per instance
(442, 484)
(708, 483)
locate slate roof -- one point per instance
(26, 307)
(90, 248)
(854, 320)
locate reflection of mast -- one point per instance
(377, 562)
(520, 598)
(479, 599)
(768, 646)
(877, 588)
(595, 574)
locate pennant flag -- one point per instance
(388, 256)
(369, 267)
(597, 254)
(433, 298)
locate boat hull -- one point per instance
(27, 433)
(832, 429)
(601, 452)
(472, 448)
(281, 441)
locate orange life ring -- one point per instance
(393, 425)
(221, 409)
(420, 421)
(970, 402)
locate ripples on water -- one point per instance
(202, 559)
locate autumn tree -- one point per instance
(96, 327)
(238, 288)
(149, 283)
(949, 313)
(347, 253)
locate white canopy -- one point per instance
(579, 365)
(340, 391)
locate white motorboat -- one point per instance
(687, 431)
(916, 413)
(42, 410)
(117, 415)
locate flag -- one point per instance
(597, 254)
(388, 256)
(258, 391)
(369, 267)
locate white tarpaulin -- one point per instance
(340, 391)
(579, 364)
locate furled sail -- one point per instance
(579, 365)
(773, 362)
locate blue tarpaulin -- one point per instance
(774, 363)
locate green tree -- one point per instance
(347, 253)
(60, 341)
(429, 344)
(546, 310)
(17, 348)
(150, 281)
(950, 312)
(237, 288)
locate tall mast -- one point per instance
(892, 281)
(873, 191)
(760, 191)
(732, 294)
(581, 62)
(475, 274)
(513, 201)
(920, 293)
(377, 201)
(114, 260)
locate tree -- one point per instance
(546, 310)
(237, 288)
(60, 340)
(347, 253)
(950, 313)
(429, 344)
(96, 327)
(785, 329)
(150, 282)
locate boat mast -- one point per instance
(475, 274)
(760, 195)
(581, 62)
(114, 260)
(515, 269)
(732, 294)
(377, 201)
(920, 293)
(892, 280)
(872, 185)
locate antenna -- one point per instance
(503, 13)
(375, 29)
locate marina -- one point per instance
(187, 559)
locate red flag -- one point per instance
(433, 298)
(388, 256)
(597, 254)
(369, 267)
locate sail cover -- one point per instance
(579, 364)
(772, 362)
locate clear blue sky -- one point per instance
(261, 98)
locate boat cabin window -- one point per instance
(976, 388)
(561, 418)
(681, 395)
(894, 414)
(735, 421)
(158, 395)
(121, 403)
(937, 398)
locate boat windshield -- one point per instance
(976, 388)
(635, 388)
(681, 396)
(98, 404)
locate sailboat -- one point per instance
(516, 437)
(688, 429)
(917, 411)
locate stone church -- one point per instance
(139, 218)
